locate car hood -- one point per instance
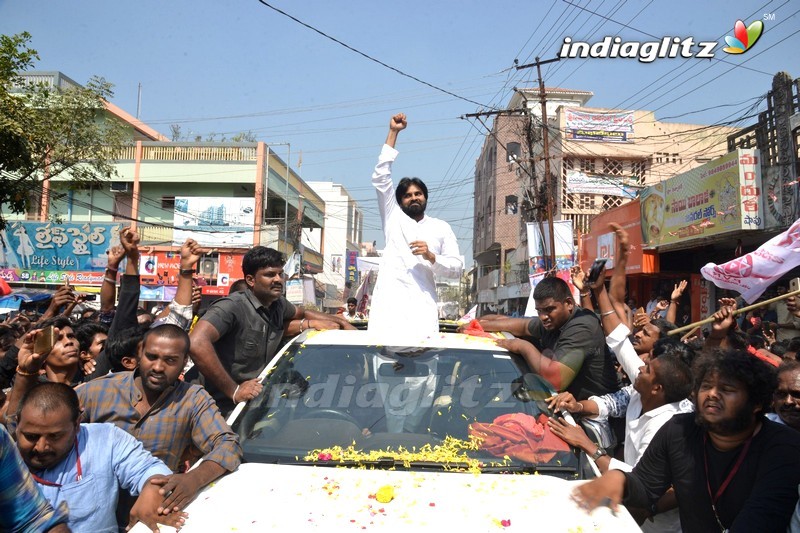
(261, 497)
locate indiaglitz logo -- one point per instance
(744, 38)
(666, 47)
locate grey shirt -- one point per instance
(249, 334)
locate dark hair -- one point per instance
(756, 341)
(664, 326)
(352, 300)
(240, 285)
(403, 186)
(50, 396)
(123, 344)
(673, 346)
(737, 339)
(675, 377)
(259, 257)
(794, 345)
(169, 331)
(8, 336)
(552, 287)
(86, 331)
(779, 348)
(758, 377)
(788, 365)
(59, 322)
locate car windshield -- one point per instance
(440, 408)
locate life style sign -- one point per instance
(30, 248)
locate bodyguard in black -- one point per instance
(732, 469)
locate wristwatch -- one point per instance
(600, 452)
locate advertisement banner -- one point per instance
(599, 127)
(352, 269)
(601, 241)
(162, 268)
(718, 197)
(214, 221)
(42, 252)
(581, 183)
(294, 291)
(538, 247)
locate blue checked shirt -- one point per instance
(183, 416)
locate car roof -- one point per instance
(368, 338)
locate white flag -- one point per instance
(752, 273)
(470, 316)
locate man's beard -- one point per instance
(414, 210)
(740, 421)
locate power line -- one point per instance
(369, 57)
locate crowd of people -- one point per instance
(692, 433)
(106, 410)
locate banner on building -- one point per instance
(214, 221)
(352, 268)
(579, 182)
(538, 247)
(601, 241)
(601, 127)
(751, 274)
(718, 197)
(43, 252)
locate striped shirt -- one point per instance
(183, 416)
(22, 505)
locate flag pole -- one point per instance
(737, 312)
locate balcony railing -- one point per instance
(198, 153)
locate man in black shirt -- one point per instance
(570, 349)
(732, 469)
(238, 335)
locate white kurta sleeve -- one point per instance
(382, 181)
(448, 263)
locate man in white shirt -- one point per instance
(659, 391)
(417, 247)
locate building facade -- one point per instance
(343, 232)
(598, 160)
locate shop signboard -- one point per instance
(45, 252)
(601, 127)
(163, 268)
(719, 197)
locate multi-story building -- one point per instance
(228, 196)
(598, 159)
(340, 241)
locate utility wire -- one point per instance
(369, 57)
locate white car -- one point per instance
(441, 435)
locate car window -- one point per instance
(377, 401)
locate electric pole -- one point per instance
(550, 186)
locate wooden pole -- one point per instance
(737, 312)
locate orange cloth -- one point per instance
(475, 329)
(519, 436)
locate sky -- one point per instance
(218, 68)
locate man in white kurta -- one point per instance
(417, 247)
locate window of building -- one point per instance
(587, 165)
(167, 202)
(512, 204)
(638, 169)
(585, 201)
(610, 202)
(612, 167)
